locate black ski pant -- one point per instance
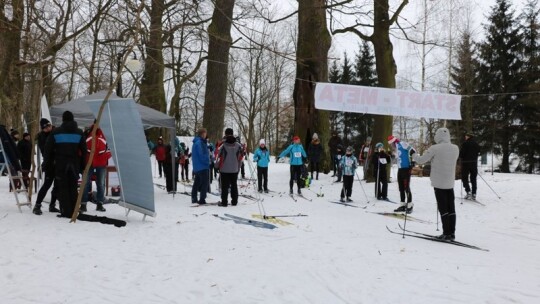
(262, 178)
(466, 171)
(381, 185)
(347, 185)
(66, 185)
(335, 162)
(161, 163)
(296, 173)
(445, 202)
(47, 183)
(243, 170)
(229, 180)
(185, 171)
(170, 183)
(314, 166)
(404, 182)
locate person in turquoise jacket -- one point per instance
(262, 158)
(297, 154)
(348, 164)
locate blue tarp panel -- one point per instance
(121, 123)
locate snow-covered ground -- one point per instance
(336, 254)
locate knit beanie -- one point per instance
(67, 116)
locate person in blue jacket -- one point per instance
(262, 158)
(405, 165)
(201, 163)
(297, 154)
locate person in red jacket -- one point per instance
(161, 153)
(98, 168)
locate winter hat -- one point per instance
(378, 146)
(67, 116)
(469, 134)
(229, 132)
(349, 149)
(315, 136)
(296, 138)
(14, 132)
(44, 122)
(392, 139)
(262, 142)
(25, 134)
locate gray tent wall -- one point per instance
(121, 115)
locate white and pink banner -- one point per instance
(384, 101)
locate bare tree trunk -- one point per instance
(385, 65)
(220, 41)
(312, 66)
(11, 97)
(152, 90)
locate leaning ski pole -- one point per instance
(362, 186)
(498, 196)
(437, 215)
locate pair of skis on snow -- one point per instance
(245, 221)
(434, 238)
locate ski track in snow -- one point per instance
(333, 255)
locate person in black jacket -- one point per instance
(333, 144)
(46, 128)
(469, 164)
(24, 148)
(314, 153)
(65, 154)
(379, 160)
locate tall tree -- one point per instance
(365, 75)
(384, 58)
(334, 116)
(152, 89)
(347, 77)
(312, 66)
(11, 25)
(219, 32)
(528, 139)
(464, 82)
(500, 75)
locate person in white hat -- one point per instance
(262, 158)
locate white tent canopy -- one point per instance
(123, 122)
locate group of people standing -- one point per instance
(66, 150)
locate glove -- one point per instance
(412, 152)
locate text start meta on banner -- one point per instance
(385, 101)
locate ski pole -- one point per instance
(437, 215)
(361, 186)
(377, 185)
(498, 196)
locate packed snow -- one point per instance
(335, 254)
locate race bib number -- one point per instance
(349, 162)
(382, 161)
(298, 154)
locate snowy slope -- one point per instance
(336, 254)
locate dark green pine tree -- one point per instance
(334, 76)
(528, 138)
(500, 75)
(347, 77)
(464, 75)
(365, 75)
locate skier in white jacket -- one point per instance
(443, 157)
